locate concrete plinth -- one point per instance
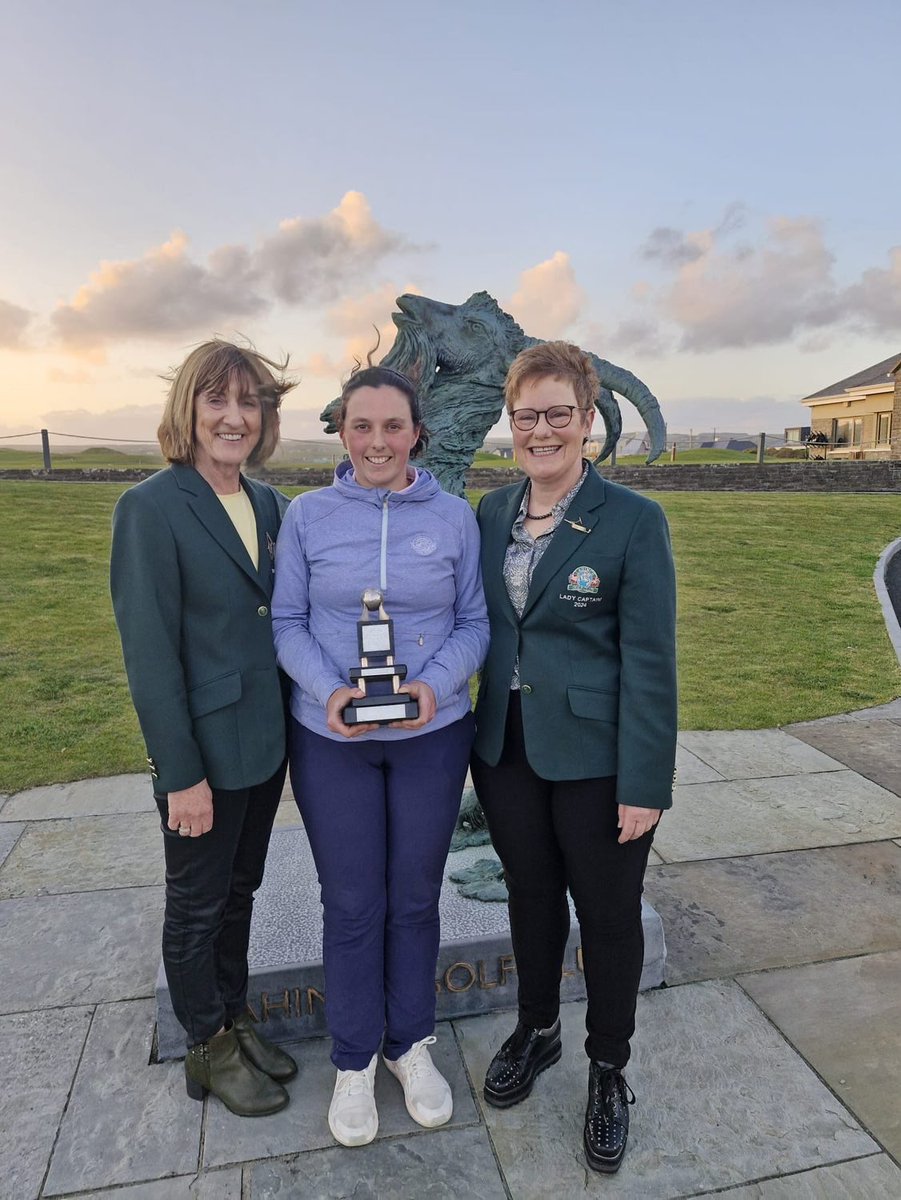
(476, 969)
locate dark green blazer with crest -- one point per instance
(193, 615)
(596, 643)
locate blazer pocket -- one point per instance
(592, 704)
(215, 693)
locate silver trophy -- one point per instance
(378, 670)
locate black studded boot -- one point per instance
(606, 1117)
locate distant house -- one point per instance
(859, 417)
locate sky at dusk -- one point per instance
(705, 193)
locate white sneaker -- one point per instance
(426, 1091)
(352, 1115)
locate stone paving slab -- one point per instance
(127, 1121)
(845, 1018)
(213, 1185)
(691, 769)
(79, 949)
(774, 910)
(441, 1164)
(722, 1099)
(9, 835)
(84, 854)
(871, 748)
(759, 816)
(874, 1178)
(39, 1053)
(83, 798)
(755, 753)
(303, 1125)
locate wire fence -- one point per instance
(102, 452)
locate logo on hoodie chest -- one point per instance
(423, 545)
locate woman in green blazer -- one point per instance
(191, 579)
(575, 728)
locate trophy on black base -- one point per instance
(378, 670)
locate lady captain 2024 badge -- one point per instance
(584, 580)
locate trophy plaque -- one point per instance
(378, 675)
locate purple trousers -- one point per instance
(379, 816)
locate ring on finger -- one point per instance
(184, 831)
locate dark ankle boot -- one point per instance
(512, 1071)
(606, 1117)
(218, 1066)
(261, 1052)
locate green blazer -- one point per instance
(596, 643)
(193, 615)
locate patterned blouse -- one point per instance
(524, 553)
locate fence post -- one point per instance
(45, 446)
(761, 447)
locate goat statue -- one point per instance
(458, 355)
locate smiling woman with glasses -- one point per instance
(575, 729)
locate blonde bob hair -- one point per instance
(553, 360)
(215, 365)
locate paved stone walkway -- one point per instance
(769, 1068)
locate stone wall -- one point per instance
(830, 476)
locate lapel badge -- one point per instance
(270, 545)
(577, 525)
(585, 580)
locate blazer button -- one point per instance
(526, 690)
(262, 611)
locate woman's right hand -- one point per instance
(191, 808)
(337, 702)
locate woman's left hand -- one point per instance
(428, 705)
(635, 822)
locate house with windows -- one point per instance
(859, 417)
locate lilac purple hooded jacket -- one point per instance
(420, 547)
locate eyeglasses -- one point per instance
(557, 417)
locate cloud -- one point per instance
(14, 320)
(744, 297)
(163, 293)
(314, 258)
(548, 299)
(726, 294)
(642, 335)
(167, 292)
(874, 303)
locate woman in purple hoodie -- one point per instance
(379, 801)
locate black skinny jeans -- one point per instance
(210, 882)
(554, 835)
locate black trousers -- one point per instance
(210, 883)
(557, 835)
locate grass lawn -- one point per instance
(778, 620)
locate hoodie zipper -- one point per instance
(383, 555)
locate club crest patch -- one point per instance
(585, 580)
(423, 545)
